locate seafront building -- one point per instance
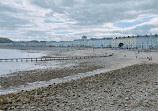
(130, 42)
(140, 42)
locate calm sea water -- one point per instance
(10, 67)
(14, 53)
(28, 52)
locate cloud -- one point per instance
(71, 19)
(134, 23)
(63, 32)
(49, 21)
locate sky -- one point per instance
(64, 20)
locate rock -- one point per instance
(126, 98)
(126, 105)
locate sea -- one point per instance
(7, 68)
(11, 67)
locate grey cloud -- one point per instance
(94, 12)
(140, 30)
(34, 33)
(149, 7)
(5, 8)
(86, 14)
(41, 35)
(98, 14)
(9, 9)
(9, 22)
(48, 4)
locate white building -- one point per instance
(81, 42)
(50, 43)
(140, 42)
(103, 42)
(128, 42)
(146, 42)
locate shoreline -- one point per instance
(26, 86)
(118, 89)
(24, 78)
(80, 79)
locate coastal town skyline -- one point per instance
(129, 42)
(62, 20)
(90, 38)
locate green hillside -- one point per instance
(5, 40)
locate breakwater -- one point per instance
(50, 58)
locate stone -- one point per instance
(126, 98)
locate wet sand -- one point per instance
(24, 77)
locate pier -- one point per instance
(50, 58)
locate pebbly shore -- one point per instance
(131, 88)
(24, 77)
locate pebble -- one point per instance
(126, 98)
(98, 95)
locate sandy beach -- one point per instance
(65, 68)
(116, 88)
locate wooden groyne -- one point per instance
(49, 58)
